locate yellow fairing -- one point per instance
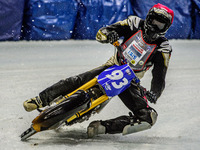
(94, 103)
(86, 86)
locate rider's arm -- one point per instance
(161, 62)
(122, 28)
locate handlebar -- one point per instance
(116, 44)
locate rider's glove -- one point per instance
(112, 37)
(151, 97)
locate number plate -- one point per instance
(116, 79)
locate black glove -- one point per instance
(112, 37)
(151, 97)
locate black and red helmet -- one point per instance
(158, 20)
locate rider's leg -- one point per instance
(143, 116)
(61, 88)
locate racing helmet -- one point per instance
(157, 22)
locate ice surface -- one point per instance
(29, 67)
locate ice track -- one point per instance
(29, 67)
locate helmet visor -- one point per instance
(158, 24)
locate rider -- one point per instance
(148, 32)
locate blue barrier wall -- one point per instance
(49, 19)
(11, 16)
(64, 19)
(81, 19)
(94, 14)
(195, 33)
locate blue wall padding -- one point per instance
(196, 19)
(81, 19)
(49, 19)
(181, 26)
(94, 14)
(11, 16)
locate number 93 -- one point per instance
(117, 75)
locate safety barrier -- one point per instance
(81, 19)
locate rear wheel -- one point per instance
(54, 116)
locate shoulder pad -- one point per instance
(123, 23)
(133, 22)
(165, 47)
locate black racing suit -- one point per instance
(131, 97)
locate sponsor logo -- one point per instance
(141, 62)
(133, 62)
(128, 72)
(132, 54)
(137, 47)
(108, 87)
(124, 46)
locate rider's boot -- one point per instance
(95, 128)
(32, 104)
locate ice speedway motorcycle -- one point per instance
(71, 109)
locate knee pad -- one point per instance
(147, 119)
(148, 115)
(154, 116)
